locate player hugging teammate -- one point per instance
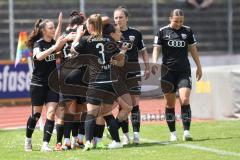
(100, 66)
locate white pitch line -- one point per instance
(213, 150)
(196, 147)
(13, 128)
(154, 141)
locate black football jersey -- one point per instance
(100, 50)
(43, 68)
(67, 46)
(134, 37)
(174, 44)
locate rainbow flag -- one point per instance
(22, 50)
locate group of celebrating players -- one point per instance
(80, 75)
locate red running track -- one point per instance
(16, 116)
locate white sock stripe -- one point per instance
(31, 128)
(48, 132)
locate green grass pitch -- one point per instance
(213, 140)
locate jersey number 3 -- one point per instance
(101, 51)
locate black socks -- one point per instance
(60, 132)
(136, 118)
(48, 129)
(89, 126)
(186, 116)
(112, 127)
(170, 118)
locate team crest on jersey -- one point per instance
(132, 38)
(184, 36)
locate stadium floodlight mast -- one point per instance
(82, 5)
(154, 15)
(230, 27)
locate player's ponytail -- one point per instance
(36, 33)
(96, 21)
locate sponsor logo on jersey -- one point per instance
(176, 43)
(132, 38)
(184, 36)
(50, 58)
(127, 45)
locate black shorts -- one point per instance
(75, 78)
(133, 83)
(171, 81)
(119, 87)
(98, 93)
(132, 78)
(42, 94)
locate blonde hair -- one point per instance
(96, 21)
